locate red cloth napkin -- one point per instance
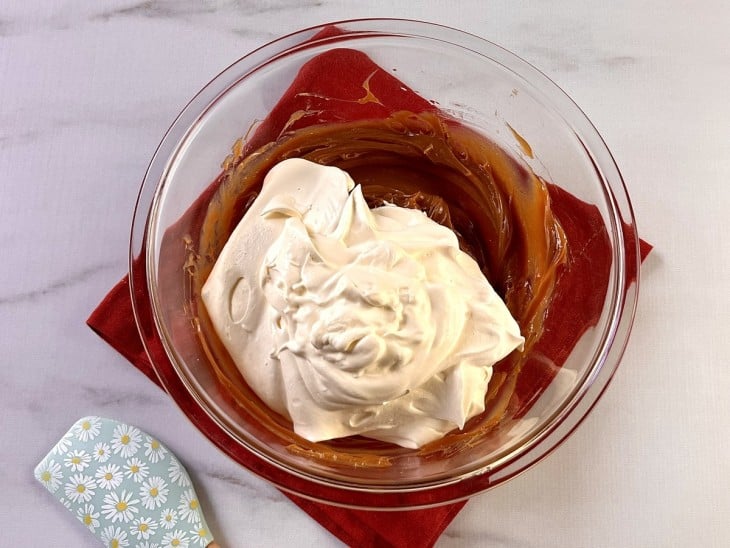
(367, 91)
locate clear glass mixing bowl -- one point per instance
(471, 80)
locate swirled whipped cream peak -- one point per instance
(351, 320)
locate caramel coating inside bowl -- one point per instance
(498, 208)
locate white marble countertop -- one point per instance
(87, 90)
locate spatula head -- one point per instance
(125, 486)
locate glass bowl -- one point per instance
(481, 86)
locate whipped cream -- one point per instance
(352, 321)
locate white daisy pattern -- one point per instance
(168, 518)
(143, 528)
(125, 486)
(80, 488)
(109, 476)
(189, 507)
(63, 444)
(77, 460)
(49, 474)
(88, 516)
(154, 450)
(200, 535)
(102, 452)
(87, 429)
(177, 473)
(153, 493)
(136, 470)
(126, 440)
(114, 537)
(119, 507)
(175, 539)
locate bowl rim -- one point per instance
(306, 484)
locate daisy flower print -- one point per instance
(88, 516)
(153, 450)
(49, 474)
(63, 444)
(188, 507)
(177, 473)
(127, 488)
(175, 539)
(168, 518)
(143, 528)
(87, 429)
(109, 476)
(136, 470)
(77, 460)
(200, 536)
(153, 493)
(126, 440)
(80, 488)
(114, 537)
(102, 452)
(119, 507)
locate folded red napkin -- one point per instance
(367, 91)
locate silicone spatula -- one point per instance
(125, 486)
